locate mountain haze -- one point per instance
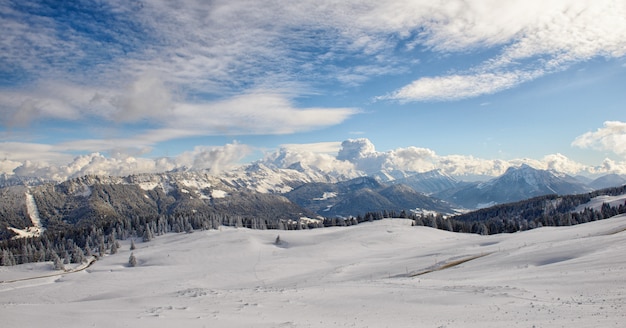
(517, 183)
(607, 181)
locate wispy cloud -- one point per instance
(226, 47)
(331, 147)
(180, 68)
(539, 38)
(454, 87)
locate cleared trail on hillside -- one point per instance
(448, 265)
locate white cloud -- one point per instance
(353, 149)
(176, 69)
(561, 163)
(354, 154)
(331, 147)
(361, 154)
(146, 98)
(23, 151)
(309, 155)
(611, 166)
(538, 38)
(411, 159)
(163, 46)
(226, 47)
(612, 137)
(7, 166)
(214, 159)
(46, 100)
(256, 113)
(453, 87)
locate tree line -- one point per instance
(543, 211)
(72, 243)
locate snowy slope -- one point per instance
(33, 214)
(596, 202)
(380, 274)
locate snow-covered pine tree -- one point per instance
(7, 258)
(147, 234)
(57, 263)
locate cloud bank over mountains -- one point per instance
(213, 159)
(360, 154)
(350, 157)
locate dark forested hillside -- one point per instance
(361, 195)
(85, 215)
(550, 210)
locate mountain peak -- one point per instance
(515, 184)
(298, 166)
(521, 168)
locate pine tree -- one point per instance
(132, 260)
(132, 245)
(57, 262)
(147, 234)
(77, 255)
(7, 258)
(113, 248)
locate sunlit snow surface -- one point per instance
(360, 276)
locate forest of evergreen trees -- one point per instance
(73, 243)
(549, 210)
(64, 243)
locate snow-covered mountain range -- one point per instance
(517, 183)
(274, 193)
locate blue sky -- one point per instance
(123, 87)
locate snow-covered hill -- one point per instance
(380, 274)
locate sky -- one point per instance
(122, 87)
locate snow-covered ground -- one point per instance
(596, 202)
(380, 274)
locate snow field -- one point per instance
(358, 276)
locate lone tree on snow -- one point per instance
(132, 260)
(277, 241)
